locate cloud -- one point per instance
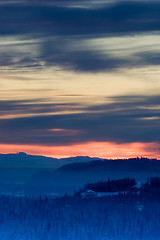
(63, 3)
(16, 108)
(60, 52)
(55, 34)
(81, 55)
(119, 18)
(125, 120)
(148, 58)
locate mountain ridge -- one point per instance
(22, 159)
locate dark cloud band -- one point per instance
(127, 119)
(57, 27)
(119, 18)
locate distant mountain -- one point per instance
(138, 168)
(129, 165)
(44, 174)
(20, 167)
(77, 174)
(80, 159)
(23, 160)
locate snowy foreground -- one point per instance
(121, 216)
(72, 218)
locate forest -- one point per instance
(121, 217)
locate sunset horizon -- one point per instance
(80, 78)
(79, 119)
(102, 150)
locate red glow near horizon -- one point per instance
(92, 149)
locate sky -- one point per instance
(80, 77)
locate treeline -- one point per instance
(127, 185)
(120, 217)
(151, 189)
(69, 218)
(110, 185)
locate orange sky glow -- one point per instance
(79, 87)
(92, 149)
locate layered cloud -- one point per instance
(54, 34)
(73, 72)
(118, 18)
(80, 54)
(124, 120)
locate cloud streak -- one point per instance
(46, 33)
(44, 42)
(125, 120)
(81, 55)
(119, 18)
